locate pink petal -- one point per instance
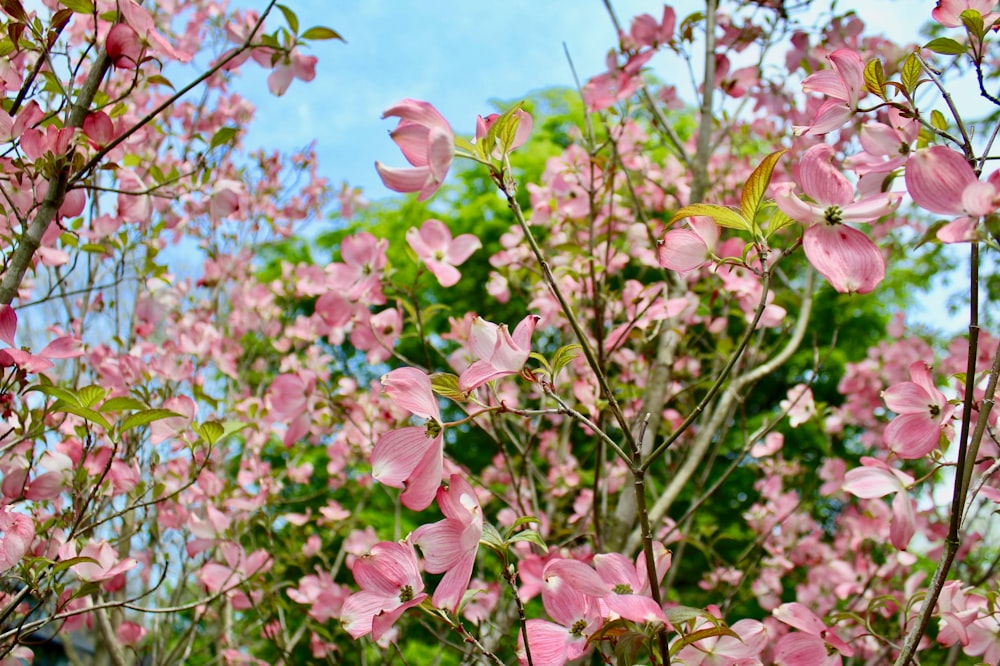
(912, 436)
(397, 453)
(402, 179)
(870, 482)
(8, 324)
(904, 521)
(67, 346)
(847, 258)
(423, 483)
(461, 248)
(821, 180)
(936, 177)
(682, 250)
(410, 389)
(907, 398)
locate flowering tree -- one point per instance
(639, 388)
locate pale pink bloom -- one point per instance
(66, 346)
(411, 458)
(390, 584)
(428, 144)
(814, 644)
(886, 146)
(940, 180)
(628, 590)
(571, 593)
(450, 545)
(843, 84)
(359, 277)
(123, 46)
(130, 633)
(727, 650)
(923, 414)
(645, 31)
(846, 257)
(684, 250)
(877, 479)
(17, 531)
(947, 12)
(228, 197)
(291, 67)
(288, 402)
(238, 568)
(324, 597)
(106, 564)
(442, 253)
(499, 353)
(799, 404)
(524, 126)
(617, 83)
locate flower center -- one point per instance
(623, 588)
(405, 593)
(433, 429)
(833, 215)
(935, 411)
(578, 627)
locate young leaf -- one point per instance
(293, 20)
(702, 634)
(723, 216)
(446, 384)
(910, 76)
(79, 6)
(973, 22)
(875, 78)
(83, 412)
(121, 404)
(938, 120)
(321, 32)
(224, 135)
(563, 357)
(756, 185)
(145, 418)
(945, 46)
(210, 431)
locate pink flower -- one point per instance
(294, 66)
(436, 248)
(684, 250)
(947, 12)
(628, 589)
(18, 531)
(427, 142)
(524, 126)
(847, 258)
(411, 458)
(571, 594)
(940, 180)
(450, 545)
(390, 583)
(844, 84)
(66, 346)
(923, 413)
(813, 645)
(499, 353)
(877, 479)
(106, 564)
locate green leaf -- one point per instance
(945, 46)
(701, 634)
(973, 22)
(500, 134)
(321, 32)
(491, 538)
(938, 121)
(531, 536)
(756, 185)
(563, 357)
(91, 395)
(910, 76)
(159, 79)
(58, 393)
(121, 404)
(210, 431)
(446, 384)
(778, 221)
(62, 565)
(83, 412)
(94, 248)
(723, 216)
(79, 6)
(680, 614)
(523, 520)
(145, 418)
(223, 136)
(875, 78)
(293, 20)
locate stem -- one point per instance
(564, 305)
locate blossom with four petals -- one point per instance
(428, 144)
